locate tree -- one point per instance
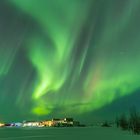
(123, 123)
(117, 122)
(134, 121)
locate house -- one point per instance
(66, 122)
(31, 124)
(2, 124)
(47, 123)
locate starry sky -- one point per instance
(76, 58)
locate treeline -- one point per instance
(130, 122)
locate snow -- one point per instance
(86, 133)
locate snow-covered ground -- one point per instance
(87, 133)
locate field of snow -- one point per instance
(87, 133)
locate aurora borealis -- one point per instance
(67, 57)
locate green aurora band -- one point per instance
(88, 57)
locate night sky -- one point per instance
(78, 58)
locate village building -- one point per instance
(66, 122)
(2, 124)
(31, 124)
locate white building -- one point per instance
(31, 124)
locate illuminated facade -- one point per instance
(60, 122)
(31, 124)
(2, 124)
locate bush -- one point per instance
(105, 124)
